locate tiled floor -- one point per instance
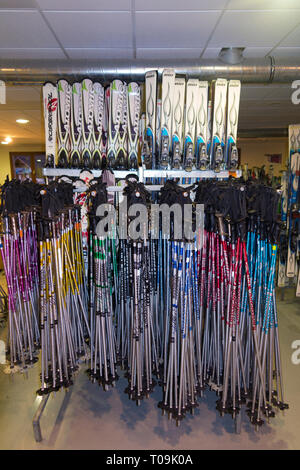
(89, 418)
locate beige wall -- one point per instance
(4, 157)
(253, 152)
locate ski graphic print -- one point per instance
(294, 146)
(98, 114)
(177, 122)
(76, 124)
(50, 119)
(87, 99)
(150, 132)
(114, 120)
(168, 82)
(121, 159)
(64, 114)
(202, 159)
(233, 103)
(134, 105)
(191, 106)
(218, 124)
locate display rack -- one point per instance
(143, 173)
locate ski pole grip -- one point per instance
(221, 225)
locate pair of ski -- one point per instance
(290, 214)
(123, 125)
(74, 119)
(185, 138)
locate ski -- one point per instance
(294, 164)
(114, 120)
(64, 112)
(177, 122)
(150, 131)
(87, 90)
(168, 82)
(134, 105)
(50, 119)
(191, 106)
(218, 124)
(233, 103)
(202, 158)
(122, 155)
(283, 242)
(97, 125)
(76, 124)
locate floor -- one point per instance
(86, 417)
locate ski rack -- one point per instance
(143, 173)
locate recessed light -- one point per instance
(22, 121)
(4, 142)
(8, 139)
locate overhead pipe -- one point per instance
(266, 70)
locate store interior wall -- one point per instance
(5, 160)
(255, 152)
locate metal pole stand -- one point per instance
(37, 417)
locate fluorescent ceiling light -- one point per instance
(22, 121)
(4, 142)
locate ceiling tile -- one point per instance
(255, 52)
(21, 94)
(211, 53)
(279, 93)
(19, 29)
(286, 52)
(90, 30)
(53, 53)
(254, 28)
(164, 53)
(100, 53)
(179, 5)
(293, 39)
(167, 29)
(79, 5)
(12, 4)
(262, 4)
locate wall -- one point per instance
(253, 152)
(5, 160)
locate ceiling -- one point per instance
(148, 29)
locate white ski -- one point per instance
(97, 124)
(233, 103)
(177, 122)
(76, 124)
(64, 113)
(168, 82)
(121, 158)
(114, 120)
(134, 105)
(149, 138)
(50, 119)
(218, 124)
(191, 106)
(202, 158)
(87, 90)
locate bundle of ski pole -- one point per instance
(191, 125)
(102, 293)
(240, 346)
(289, 256)
(64, 324)
(88, 126)
(18, 247)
